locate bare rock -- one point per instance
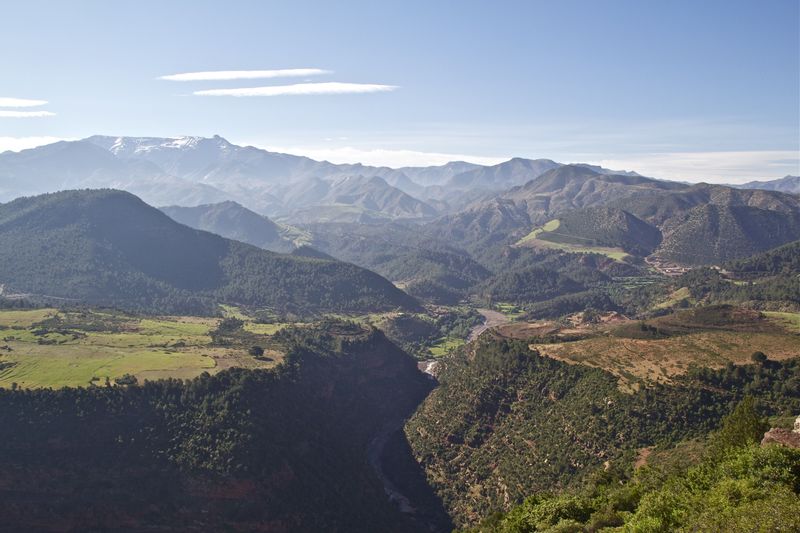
(782, 436)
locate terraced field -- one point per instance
(51, 348)
(671, 352)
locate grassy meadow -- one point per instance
(52, 348)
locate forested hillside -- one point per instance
(234, 221)
(736, 485)
(505, 422)
(109, 248)
(279, 450)
(770, 280)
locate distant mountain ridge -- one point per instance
(790, 184)
(686, 224)
(191, 171)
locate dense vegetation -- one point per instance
(278, 450)
(738, 486)
(782, 260)
(109, 248)
(769, 280)
(506, 422)
(605, 226)
(234, 221)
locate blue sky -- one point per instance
(683, 90)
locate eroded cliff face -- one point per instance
(276, 451)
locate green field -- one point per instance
(790, 320)
(511, 311)
(550, 226)
(537, 239)
(445, 345)
(676, 297)
(50, 348)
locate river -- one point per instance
(377, 445)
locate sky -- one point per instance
(696, 91)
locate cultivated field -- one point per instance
(659, 349)
(50, 348)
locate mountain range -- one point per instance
(191, 171)
(462, 204)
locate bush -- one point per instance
(126, 379)
(256, 351)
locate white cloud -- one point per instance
(222, 75)
(20, 102)
(15, 144)
(25, 114)
(380, 156)
(301, 89)
(713, 167)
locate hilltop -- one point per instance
(106, 247)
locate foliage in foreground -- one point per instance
(739, 486)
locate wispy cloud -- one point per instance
(300, 89)
(25, 114)
(20, 102)
(223, 75)
(15, 144)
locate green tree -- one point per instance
(742, 427)
(256, 351)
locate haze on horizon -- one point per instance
(686, 91)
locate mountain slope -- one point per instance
(705, 224)
(233, 221)
(506, 422)
(369, 195)
(514, 212)
(790, 184)
(481, 224)
(605, 226)
(516, 171)
(109, 248)
(273, 182)
(692, 225)
(278, 451)
(782, 260)
(657, 207)
(574, 186)
(712, 233)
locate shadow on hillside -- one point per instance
(408, 476)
